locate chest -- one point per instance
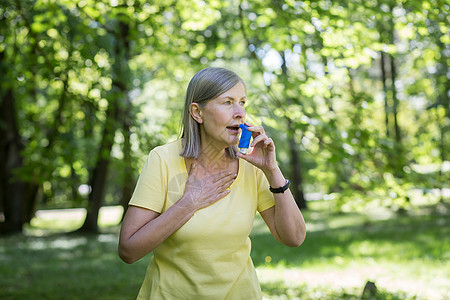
(227, 221)
(210, 169)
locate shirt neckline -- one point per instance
(185, 171)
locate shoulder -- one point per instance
(168, 151)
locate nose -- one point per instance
(239, 112)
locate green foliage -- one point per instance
(324, 79)
(313, 74)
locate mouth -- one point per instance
(234, 129)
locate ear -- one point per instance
(196, 112)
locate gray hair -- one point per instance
(206, 85)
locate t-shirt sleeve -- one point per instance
(151, 187)
(265, 196)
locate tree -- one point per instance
(355, 94)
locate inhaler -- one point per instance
(244, 142)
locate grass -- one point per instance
(406, 256)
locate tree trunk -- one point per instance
(30, 201)
(442, 176)
(75, 183)
(100, 172)
(444, 122)
(386, 99)
(99, 175)
(128, 178)
(394, 99)
(297, 178)
(393, 78)
(11, 188)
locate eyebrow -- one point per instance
(231, 98)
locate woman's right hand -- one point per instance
(202, 192)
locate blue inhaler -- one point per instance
(244, 142)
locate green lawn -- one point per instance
(407, 256)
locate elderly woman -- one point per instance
(196, 199)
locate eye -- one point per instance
(242, 102)
(227, 102)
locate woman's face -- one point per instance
(221, 117)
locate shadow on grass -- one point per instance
(69, 266)
(403, 238)
(279, 290)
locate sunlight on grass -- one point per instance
(66, 220)
(61, 243)
(405, 279)
(407, 256)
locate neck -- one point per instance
(210, 153)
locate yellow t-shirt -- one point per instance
(209, 256)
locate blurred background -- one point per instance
(355, 95)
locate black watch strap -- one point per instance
(280, 189)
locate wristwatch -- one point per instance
(280, 189)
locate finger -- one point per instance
(259, 138)
(257, 129)
(222, 175)
(240, 155)
(268, 142)
(222, 194)
(227, 183)
(246, 157)
(225, 180)
(224, 188)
